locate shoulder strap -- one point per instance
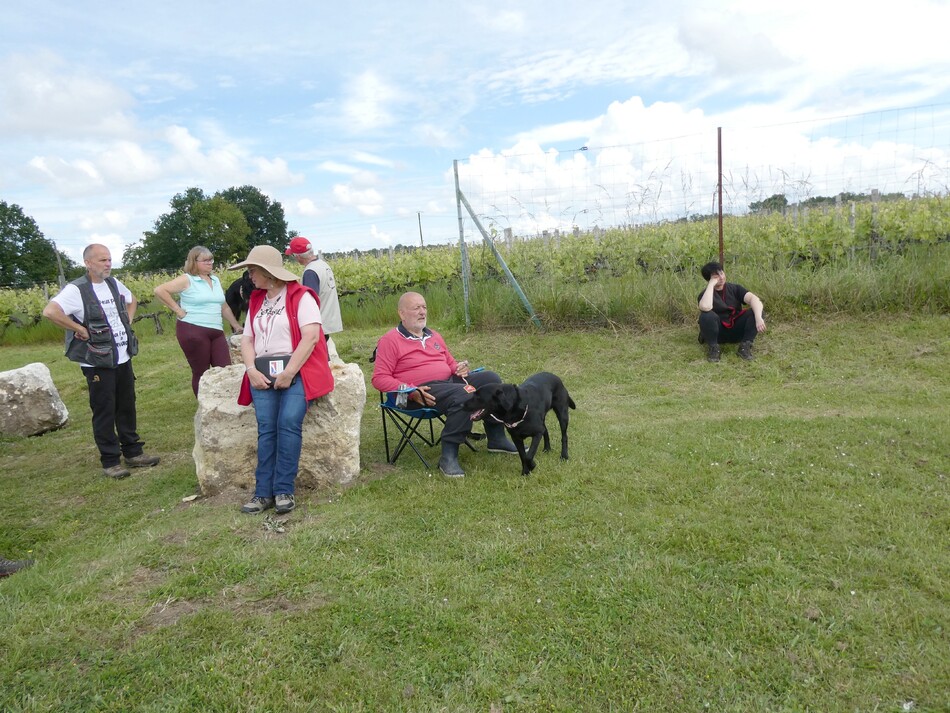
(119, 303)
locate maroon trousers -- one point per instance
(203, 349)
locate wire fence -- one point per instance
(901, 151)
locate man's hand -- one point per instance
(81, 332)
(461, 369)
(714, 281)
(421, 395)
(760, 324)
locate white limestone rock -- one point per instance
(225, 450)
(29, 402)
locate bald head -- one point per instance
(98, 261)
(412, 312)
(92, 248)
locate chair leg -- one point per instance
(411, 428)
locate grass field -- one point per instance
(764, 536)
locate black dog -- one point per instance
(522, 409)
(238, 293)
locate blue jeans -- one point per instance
(280, 415)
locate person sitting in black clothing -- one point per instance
(722, 318)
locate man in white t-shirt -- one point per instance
(318, 276)
(103, 344)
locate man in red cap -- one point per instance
(318, 276)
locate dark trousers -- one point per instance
(713, 332)
(112, 400)
(203, 348)
(449, 397)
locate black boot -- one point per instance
(745, 350)
(10, 566)
(497, 439)
(449, 462)
(713, 352)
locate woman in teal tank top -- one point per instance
(201, 310)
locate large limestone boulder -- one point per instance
(226, 434)
(29, 402)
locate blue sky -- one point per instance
(350, 114)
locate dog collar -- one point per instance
(511, 425)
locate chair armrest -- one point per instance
(390, 398)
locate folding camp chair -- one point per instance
(412, 424)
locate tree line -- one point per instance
(228, 223)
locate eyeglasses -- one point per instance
(206, 259)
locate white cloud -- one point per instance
(367, 201)
(41, 95)
(116, 246)
(508, 21)
(125, 163)
(577, 131)
(368, 103)
(274, 172)
(112, 219)
(337, 167)
(373, 159)
(306, 207)
(68, 177)
(379, 235)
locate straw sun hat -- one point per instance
(268, 258)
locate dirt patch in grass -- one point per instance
(167, 613)
(240, 600)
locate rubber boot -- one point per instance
(497, 439)
(449, 462)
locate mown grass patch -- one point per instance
(742, 536)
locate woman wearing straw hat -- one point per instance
(285, 357)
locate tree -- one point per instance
(773, 204)
(228, 223)
(220, 226)
(26, 256)
(194, 220)
(265, 217)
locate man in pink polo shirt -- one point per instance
(413, 356)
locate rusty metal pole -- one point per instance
(719, 151)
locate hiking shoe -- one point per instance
(284, 503)
(257, 505)
(713, 352)
(8, 567)
(142, 461)
(116, 471)
(745, 351)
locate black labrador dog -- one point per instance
(523, 408)
(238, 293)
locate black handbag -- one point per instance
(272, 364)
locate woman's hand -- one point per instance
(257, 379)
(283, 380)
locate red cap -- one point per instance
(298, 246)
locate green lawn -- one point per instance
(765, 536)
